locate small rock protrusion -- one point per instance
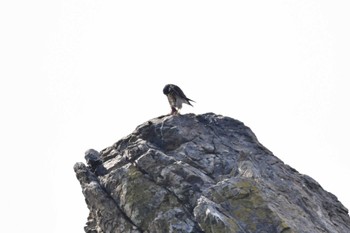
(94, 161)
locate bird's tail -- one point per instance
(188, 101)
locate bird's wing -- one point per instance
(176, 90)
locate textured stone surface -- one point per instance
(201, 173)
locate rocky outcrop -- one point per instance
(201, 173)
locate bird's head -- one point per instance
(166, 89)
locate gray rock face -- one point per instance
(201, 173)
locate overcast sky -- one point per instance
(81, 74)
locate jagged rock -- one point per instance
(201, 173)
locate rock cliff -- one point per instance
(201, 173)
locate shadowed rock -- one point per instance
(201, 173)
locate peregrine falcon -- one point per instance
(175, 97)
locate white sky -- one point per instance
(80, 74)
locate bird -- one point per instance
(176, 98)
